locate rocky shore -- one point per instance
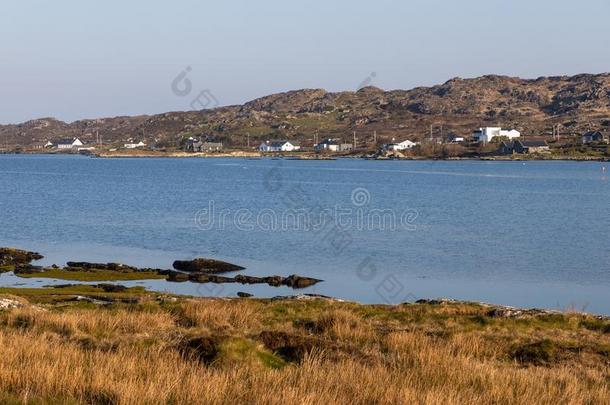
(199, 270)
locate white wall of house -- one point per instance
(134, 145)
(405, 145)
(288, 147)
(488, 133)
(285, 147)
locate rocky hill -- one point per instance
(575, 104)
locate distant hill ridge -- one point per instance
(575, 103)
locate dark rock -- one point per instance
(274, 281)
(203, 265)
(28, 269)
(112, 288)
(177, 277)
(209, 278)
(249, 279)
(244, 295)
(11, 257)
(296, 281)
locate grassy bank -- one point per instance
(148, 348)
(93, 275)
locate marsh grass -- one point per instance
(270, 352)
(93, 275)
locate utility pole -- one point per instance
(431, 131)
(375, 137)
(354, 139)
(248, 140)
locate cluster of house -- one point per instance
(513, 144)
(332, 145)
(203, 144)
(279, 146)
(75, 143)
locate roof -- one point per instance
(594, 134)
(65, 141)
(533, 144)
(329, 142)
(510, 144)
(279, 144)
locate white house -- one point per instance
(488, 133)
(456, 139)
(69, 143)
(133, 145)
(327, 144)
(404, 145)
(278, 146)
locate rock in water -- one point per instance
(177, 277)
(244, 295)
(12, 257)
(295, 281)
(203, 265)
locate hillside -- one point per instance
(576, 103)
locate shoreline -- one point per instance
(17, 263)
(309, 157)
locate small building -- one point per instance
(68, 143)
(507, 148)
(455, 139)
(593, 136)
(332, 145)
(327, 145)
(42, 145)
(279, 146)
(207, 144)
(134, 145)
(486, 134)
(531, 146)
(404, 145)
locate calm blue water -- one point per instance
(524, 234)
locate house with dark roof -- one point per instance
(205, 144)
(507, 148)
(593, 136)
(531, 146)
(327, 145)
(68, 143)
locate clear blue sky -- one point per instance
(75, 59)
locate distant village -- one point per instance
(486, 141)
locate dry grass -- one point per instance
(246, 351)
